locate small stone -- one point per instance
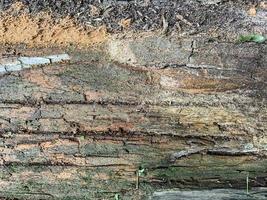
(34, 60)
(58, 58)
(2, 69)
(210, 2)
(248, 146)
(10, 68)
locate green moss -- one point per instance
(251, 38)
(87, 178)
(170, 173)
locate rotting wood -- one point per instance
(80, 126)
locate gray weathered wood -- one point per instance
(218, 194)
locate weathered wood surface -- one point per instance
(82, 130)
(219, 194)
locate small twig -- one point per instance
(139, 172)
(165, 25)
(247, 183)
(180, 17)
(137, 179)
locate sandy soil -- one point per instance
(16, 26)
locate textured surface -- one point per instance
(148, 15)
(71, 22)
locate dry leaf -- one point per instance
(125, 23)
(252, 11)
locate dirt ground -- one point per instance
(88, 22)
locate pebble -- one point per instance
(2, 69)
(34, 60)
(10, 68)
